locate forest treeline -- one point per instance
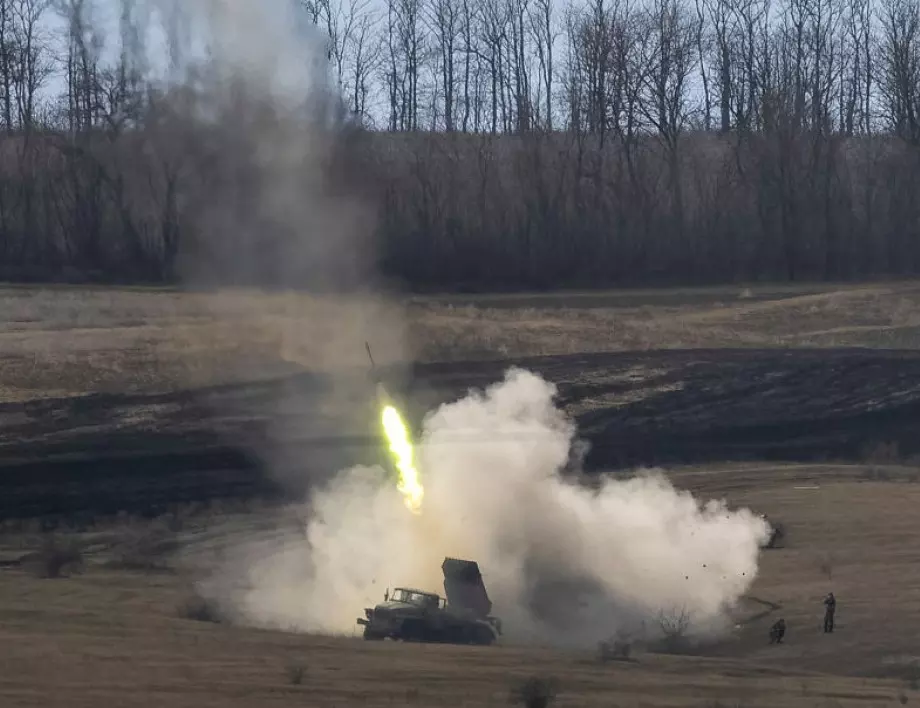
(478, 144)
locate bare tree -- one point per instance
(545, 34)
(704, 43)
(856, 86)
(494, 23)
(32, 60)
(365, 61)
(671, 60)
(352, 46)
(84, 44)
(405, 47)
(7, 60)
(596, 66)
(716, 25)
(519, 69)
(444, 21)
(899, 67)
(674, 624)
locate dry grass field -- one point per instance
(116, 635)
(785, 399)
(62, 341)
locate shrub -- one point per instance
(674, 626)
(296, 673)
(145, 551)
(201, 609)
(615, 649)
(57, 558)
(535, 692)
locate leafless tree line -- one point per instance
(506, 143)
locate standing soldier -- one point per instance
(830, 605)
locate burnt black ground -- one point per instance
(142, 454)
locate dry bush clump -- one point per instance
(882, 452)
(145, 550)
(57, 558)
(826, 563)
(617, 648)
(201, 609)
(674, 625)
(296, 673)
(535, 692)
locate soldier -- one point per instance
(778, 631)
(830, 605)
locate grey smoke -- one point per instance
(248, 123)
(252, 115)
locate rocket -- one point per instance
(371, 357)
(383, 398)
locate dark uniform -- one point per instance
(830, 605)
(778, 631)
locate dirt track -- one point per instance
(106, 453)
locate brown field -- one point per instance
(63, 341)
(786, 399)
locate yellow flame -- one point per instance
(401, 448)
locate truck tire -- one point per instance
(372, 636)
(413, 631)
(483, 636)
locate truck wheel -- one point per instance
(484, 636)
(412, 631)
(372, 636)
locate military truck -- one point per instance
(411, 615)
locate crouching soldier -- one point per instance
(778, 631)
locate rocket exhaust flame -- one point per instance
(397, 436)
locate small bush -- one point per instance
(913, 678)
(57, 558)
(674, 626)
(535, 692)
(881, 452)
(148, 551)
(826, 564)
(618, 648)
(200, 609)
(296, 673)
(875, 474)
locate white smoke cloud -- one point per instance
(560, 561)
